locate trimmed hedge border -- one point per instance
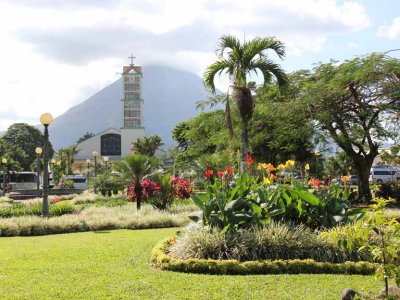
(160, 259)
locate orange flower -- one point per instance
(271, 167)
(344, 179)
(272, 177)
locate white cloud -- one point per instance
(54, 52)
(391, 31)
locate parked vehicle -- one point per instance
(381, 174)
(354, 179)
(19, 180)
(80, 181)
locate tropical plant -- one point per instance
(376, 234)
(139, 166)
(148, 145)
(241, 60)
(66, 156)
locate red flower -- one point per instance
(249, 160)
(208, 173)
(229, 170)
(220, 173)
(314, 182)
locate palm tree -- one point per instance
(241, 60)
(139, 165)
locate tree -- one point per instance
(66, 155)
(139, 166)
(25, 138)
(85, 137)
(148, 145)
(242, 59)
(355, 103)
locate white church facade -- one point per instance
(117, 143)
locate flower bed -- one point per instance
(159, 258)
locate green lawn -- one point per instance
(114, 265)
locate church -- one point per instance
(116, 143)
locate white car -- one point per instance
(381, 174)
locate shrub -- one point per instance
(91, 219)
(273, 241)
(390, 189)
(62, 208)
(161, 259)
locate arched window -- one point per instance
(111, 144)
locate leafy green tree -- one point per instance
(354, 103)
(85, 137)
(148, 145)
(241, 60)
(339, 164)
(66, 155)
(25, 138)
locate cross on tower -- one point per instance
(131, 58)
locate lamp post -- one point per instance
(317, 155)
(4, 162)
(38, 151)
(46, 120)
(87, 169)
(95, 154)
(106, 161)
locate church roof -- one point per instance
(131, 69)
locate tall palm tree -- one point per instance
(239, 60)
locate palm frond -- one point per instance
(258, 45)
(228, 42)
(268, 68)
(216, 68)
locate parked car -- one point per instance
(80, 181)
(381, 174)
(354, 179)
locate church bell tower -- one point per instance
(132, 107)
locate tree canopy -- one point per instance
(22, 139)
(148, 145)
(356, 102)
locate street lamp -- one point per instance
(38, 151)
(87, 168)
(105, 160)
(95, 154)
(4, 162)
(46, 119)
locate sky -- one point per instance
(55, 54)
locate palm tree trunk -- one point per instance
(243, 147)
(228, 118)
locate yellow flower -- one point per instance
(266, 181)
(289, 163)
(261, 166)
(307, 167)
(281, 167)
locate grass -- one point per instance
(114, 265)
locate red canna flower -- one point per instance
(314, 182)
(250, 160)
(208, 173)
(229, 170)
(220, 173)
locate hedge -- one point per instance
(160, 259)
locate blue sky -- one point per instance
(56, 53)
